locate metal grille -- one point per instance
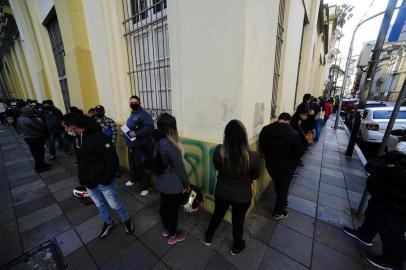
(146, 33)
(59, 55)
(278, 50)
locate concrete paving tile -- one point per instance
(4, 186)
(56, 178)
(310, 161)
(104, 250)
(309, 174)
(68, 242)
(330, 166)
(10, 250)
(333, 190)
(27, 187)
(356, 187)
(160, 266)
(338, 182)
(356, 172)
(68, 204)
(9, 231)
(154, 240)
(125, 259)
(34, 205)
(45, 232)
(335, 238)
(24, 180)
(333, 173)
(144, 220)
(293, 244)
(65, 183)
(218, 262)
(30, 195)
(198, 255)
(299, 222)
(304, 192)
(53, 171)
(302, 205)
(325, 257)
(334, 217)
(16, 161)
(63, 194)
(6, 216)
(354, 196)
(89, 229)
(38, 217)
(334, 202)
(273, 259)
(307, 182)
(80, 214)
(80, 260)
(19, 175)
(259, 227)
(150, 199)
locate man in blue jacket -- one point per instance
(141, 126)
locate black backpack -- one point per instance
(155, 161)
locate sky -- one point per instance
(366, 32)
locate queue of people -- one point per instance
(93, 139)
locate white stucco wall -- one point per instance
(292, 39)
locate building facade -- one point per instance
(205, 62)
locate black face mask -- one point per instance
(48, 108)
(135, 107)
(99, 115)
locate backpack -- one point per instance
(155, 161)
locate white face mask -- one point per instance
(71, 133)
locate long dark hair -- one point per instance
(167, 126)
(235, 149)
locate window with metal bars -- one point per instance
(58, 50)
(278, 51)
(146, 33)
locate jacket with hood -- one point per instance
(97, 158)
(31, 125)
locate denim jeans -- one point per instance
(53, 136)
(103, 194)
(319, 123)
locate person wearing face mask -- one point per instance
(97, 163)
(141, 126)
(109, 128)
(52, 117)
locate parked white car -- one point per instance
(374, 123)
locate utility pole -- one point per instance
(392, 120)
(370, 73)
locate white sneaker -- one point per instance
(144, 192)
(129, 183)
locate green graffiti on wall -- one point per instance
(198, 158)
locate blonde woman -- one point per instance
(173, 182)
(237, 166)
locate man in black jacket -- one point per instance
(386, 211)
(97, 163)
(282, 148)
(53, 120)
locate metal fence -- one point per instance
(146, 33)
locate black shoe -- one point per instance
(207, 240)
(129, 227)
(355, 234)
(281, 216)
(237, 248)
(106, 230)
(381, 263)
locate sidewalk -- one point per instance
(38, 207)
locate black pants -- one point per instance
(3, 119)
(281, 181)
(137, 171)
(37, 151)
(238, 218)
(169, 211)
(391, 227)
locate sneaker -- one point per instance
(207, 240)
(177, 238)
(281, 216)
(106, 230)
(129, 227)
(165, 233)
(238, 248)
(129, 183)
(145, 193)
(355, 234)
(52, 157)
(380, 262)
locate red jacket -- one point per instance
(329, 108)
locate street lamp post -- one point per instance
(348, 62)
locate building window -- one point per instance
(278, 51)
(146, 33)
(58, 50)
